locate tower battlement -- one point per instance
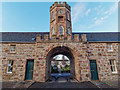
(60, 4)
(75, 38)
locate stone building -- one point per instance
(28, 55)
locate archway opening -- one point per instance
(65, 67)
(60, 66)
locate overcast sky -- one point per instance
(35, 16)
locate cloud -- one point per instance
(78, 10)
(97, 19)
(106, 14)
(113, 8)
(88, 11)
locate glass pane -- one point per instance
(60, 30)
(52, 30)
(109, 46)
(12, 48)
(110, 62)
(113, 68)
(68, 31)
(10, 66)
(53, 16)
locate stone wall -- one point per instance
(23, 52)
(98, 51)
(83, 52)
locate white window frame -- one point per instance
(9, 65)
(115, 68)
(11, 49)
(109, 47)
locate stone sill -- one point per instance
(110, 51)
(114, 73)
(12, 53)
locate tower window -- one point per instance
(60, 18)
(60, 30)
(53, 16)
(68, 31)
(68, 17)
(52, 30)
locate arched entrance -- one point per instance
(60, 66)
(60, 50)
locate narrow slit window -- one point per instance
(53, 16)
(68, 31)
(68, 17)
(60, 30)
(52, 30)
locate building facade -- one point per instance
(28, 55)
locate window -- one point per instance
(53, 16)
(68, 31)
(109, 47)
(52, 30)
(68, 17)
(10, 66)
(113, 66)
(60, 30)
(12, 48)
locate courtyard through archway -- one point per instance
(60, 66)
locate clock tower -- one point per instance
(60, 20)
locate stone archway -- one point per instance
(64, 51)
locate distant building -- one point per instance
(28, 55)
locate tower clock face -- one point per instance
(60, 12)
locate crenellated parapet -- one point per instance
(75, 38)
(60, 4)
(83, 38)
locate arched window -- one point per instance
(53, 16)
(52, 30)
(60, 30)
(68, 31)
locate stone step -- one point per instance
(23, 84)
(101, 84)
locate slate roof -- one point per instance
(30, 36)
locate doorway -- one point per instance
(93, 69)
(29, 70)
